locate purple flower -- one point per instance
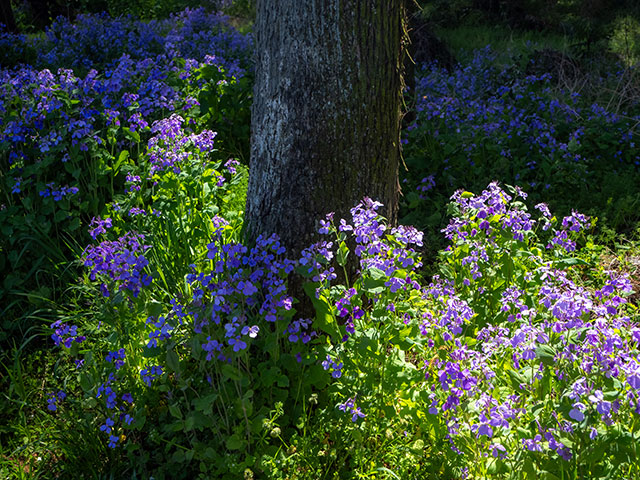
(634, 381)
(116, 358)
(251, 331)
(54, 398)
(247, 288)
(356, 414)
(576, 414)
(533, 444)
(150, 374)
(65, 335)
(97, 226)
(238, 344)
(211, 347)
(121, 260)
(113, 441)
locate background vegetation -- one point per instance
(141, 338)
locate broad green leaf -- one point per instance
(234, 442)
(325, 320)
(231, 372)
(173, 361)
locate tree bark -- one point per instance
(412, 10)
(326, 113)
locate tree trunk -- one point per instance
(326, 113)
(6, 16)
(412, 11)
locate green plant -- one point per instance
(625, 40)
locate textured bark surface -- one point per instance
(326, 113)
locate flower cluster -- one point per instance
(150, 374)
(65, 334)
(122, 261)
(516, 356)
(336, 368)
(54, 398)
(552, 331)
(98, 226)
(487, 120)
(350, 408)
(119, 404)
(98, 41)
(244, 283)
(71, 137)
(117, 358)
(57, 193)
(170, 146)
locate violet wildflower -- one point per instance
(150, 374)
(54, 398)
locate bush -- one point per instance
(68, 141)
(506, 356)
(487, 121)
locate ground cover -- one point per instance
(75, 121)
(154, 343)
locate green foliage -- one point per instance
(146, 9)
(491, 357)
(226, 108)
(245, 9)
(507, 43)
(625, 40)
(366, 390)
(589, 25)
(493, 119)
(29, 20)
(44, 202)
(186, 200)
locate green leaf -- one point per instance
(316, 376)
(131, 134)
(373, 286)
(151, 352)
(121, 159)
(154, 309)
(244, 407)
(231, 372)
(269, 376)
(74, 224)
(325, 320)
(377, 274)
(85, 382)
(546, 354)
(234, 442)
(60, 216)
(569, 262)
(544, 475)
(566, 441)
(205, 404)
(178, 456)
(173, 361)
(189, 423)
(516, 378)
(418, 445)
(283, 381)
(342, 254)
(209, 454)
(175, 412)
